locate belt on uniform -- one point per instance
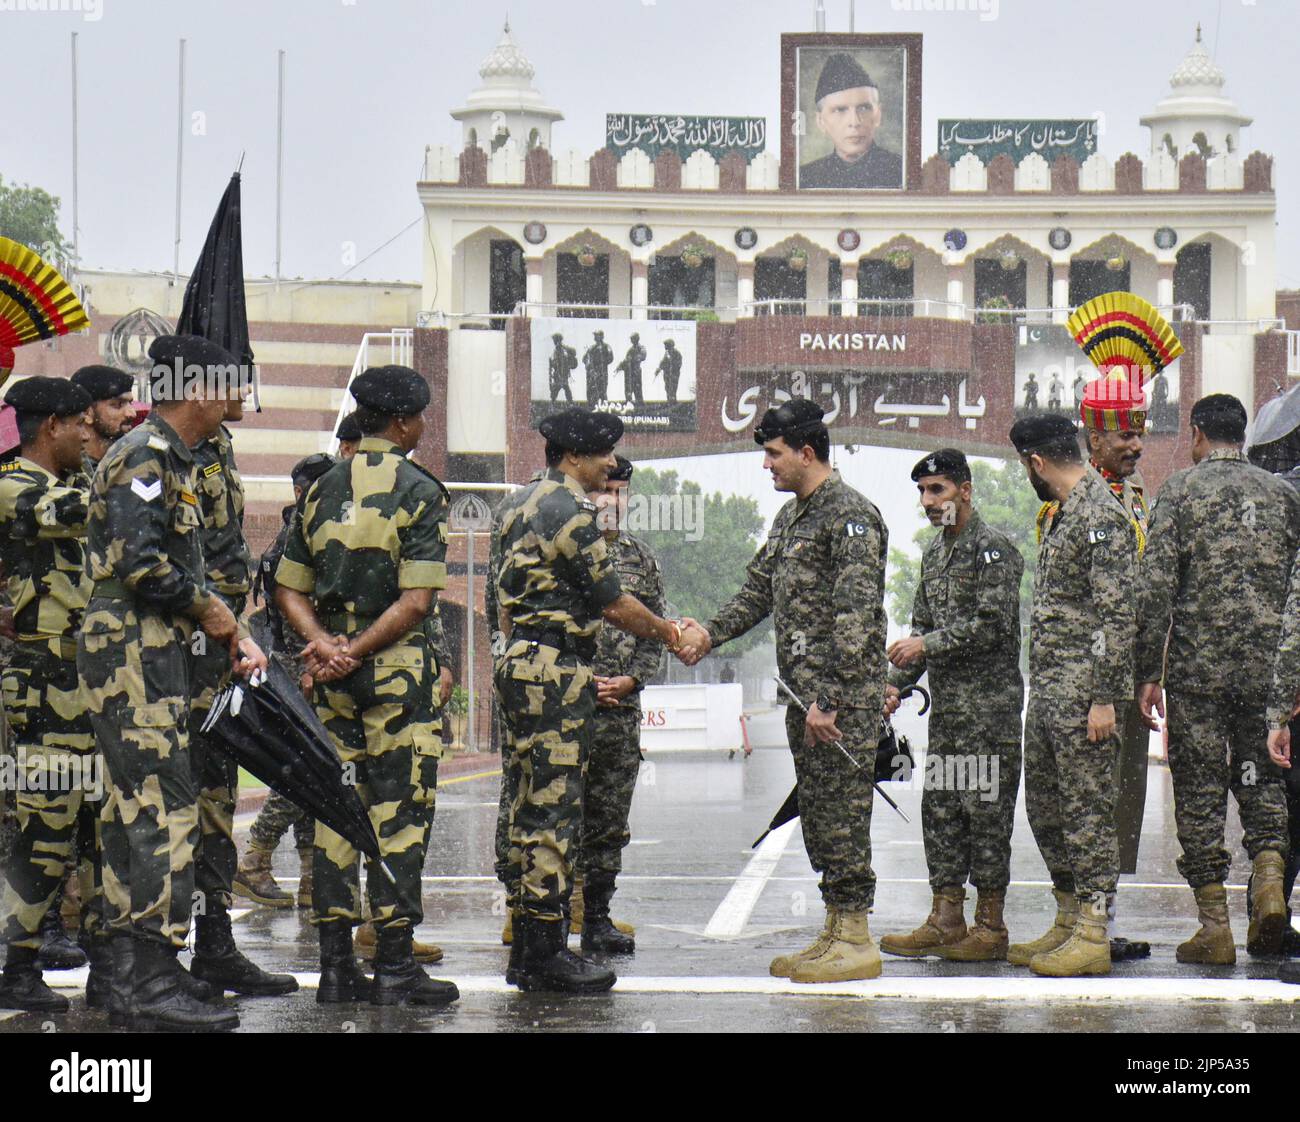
(582, 646)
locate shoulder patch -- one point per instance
(991, 555)
(855, 529)
(146, 491)
(159, 443)
(211, 470)
(10, 465)
(1095, 536)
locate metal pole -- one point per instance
(819, 15)
(75, 254)
(853, 4)
(180, 151)
(472, 730)
(279, 166)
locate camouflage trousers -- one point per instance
(1217, 745)
(505, 802)
(217, 777)
(382, 722)
(1130, 783)
(607, 792)
(57, 790)
(835, 805)
(968, 805)
(135, 668)
(548, 700)
(278, 813)
(1070, 795)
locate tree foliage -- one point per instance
(30, 216)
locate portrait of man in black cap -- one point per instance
(845, 112)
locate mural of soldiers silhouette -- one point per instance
(1031, 392)
(631, 368)
(1054, 392)
(563, 359)
(597, 359)
(670, 366)
(1080, 384)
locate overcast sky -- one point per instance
(371, 82)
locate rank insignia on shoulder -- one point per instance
(1095, 536)
(146, 491)
(158, 443)
(991, 555)
(855, 529)
(211, 470)
(587, 506)
(187, 497)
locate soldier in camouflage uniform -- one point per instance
(112, 411)
(966, 635)
(217, 960)
(361, 566)
(1224, 535)
(1082, 635)
(134, 656)
(821, 576)
(554, 584)
(42, 526)
(624, 664)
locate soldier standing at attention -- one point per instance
(361, 566)
(554, 585)
(1224, 535)
(624, 664)
(1081, 651)
(42, 530)
(134, 657)
(597, 359)
(966, 634)
(821, 576)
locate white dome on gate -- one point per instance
(1196, 115)
(506, 108)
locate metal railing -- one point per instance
(1293, 352)
(401, 345)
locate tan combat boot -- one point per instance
(987, 939)
(253, 880)
(1212, 945)
(578, 909)
(1268, 918)
(1086, 951)
(366, 941)
(306, 862)
(783, 965)
(851, 956)
(944, 926)
(508, 931)
(1067, 910)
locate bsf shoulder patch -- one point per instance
(147, 491)
(10, 465)
(211, 470)
(1095, 536)
(158, 443)
(992, 555)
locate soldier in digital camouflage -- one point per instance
(1223, 541)
(554, 585)
(821, 576)
(1082, 635)
(42, 529)
(149, 600)
(966, 636)
(361, 566)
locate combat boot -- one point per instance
(547, 965)
(850, 956)
(944, 926)
(398, 977)
(58, 952)
(578, 911)
(516, 950)
(253, 880)
(99, 983)
(508, 931)
(365, 942)
(1067, 911)
(599, 935)
(1268, 920)
(782, 965)
(1086, 951)
(341, 976)
(22, 987)
(159, 999)
(122, 947)
(220, 963)
(1212, 945)
(986, 941)
(306, 863)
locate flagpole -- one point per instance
(180, 152)
(75, 254)
(279, 165)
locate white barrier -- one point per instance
(691, 718)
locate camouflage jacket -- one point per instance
(145, 528)
(370, 527)
(221, 502)
(620, 652)
(1132, 498)
(490, 605)
(968, 608)
(284, 639)
(553, 569)
(42, 531)
(1084, 620)
(821, 576)
(1214, 576)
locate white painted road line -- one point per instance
(737, 906)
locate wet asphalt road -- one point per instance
(705, 932)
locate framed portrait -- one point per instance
(850, 112)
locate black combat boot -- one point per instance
(220, 963)
(100, 982)
(22, 987)
(122, 947)
(341, 976)
(516, 948)
(399, 979)
(599, 935)
(58, 952)
(160, 1000)
(548, 965)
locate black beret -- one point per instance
(1032, 434)
(582, 430)
(397, 391)
(1221, 407)
(103, 382)
(622, 473)
(310, 468)
(174, 356)
(841, 72)
(349, 430)
(798, 416)
(946, 461)
(48, 397)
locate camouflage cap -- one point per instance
(397, 391)
(582, 430)
(1032, 434)
(946, 461)
(103, 382)
(47, 397)
(798, 416)
(349, 430)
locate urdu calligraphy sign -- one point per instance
(1077, 138)
(653, 132)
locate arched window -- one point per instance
(1169, 146)
(1227, 140)
(1203, 145)
(534, 139)
(472, 142)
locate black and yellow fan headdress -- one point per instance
(35, 302)
(1118, 329)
